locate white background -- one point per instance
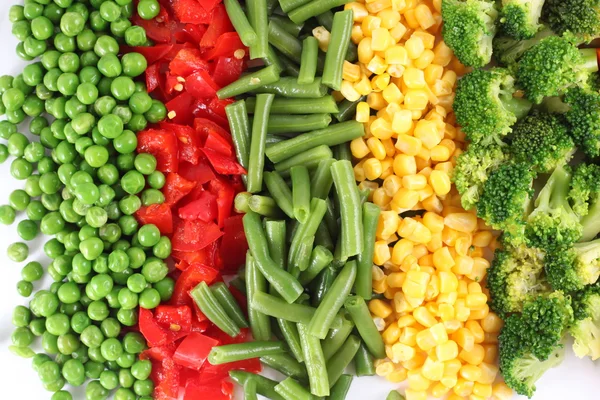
(575, 379)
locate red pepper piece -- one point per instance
(189, 141)
(205, 126)
(190, 12)
(194, 235)
(186, 62)
(204, 208)
(176, 187)
(225, 194)
(208, 5)
(176, 320)
(168, 386)
(155, 335)
(205, 256)
(200, 173)
(219, 25)
(157, 214)
(200, 85)
(162, 145)
(193, 350)
(225, 46)
(195, 32)
(215, 373)
(188, 280)
(171, 84)
(152, 78)
(157, 31)
(200, 326)
(233, 245)
(159, 353)
(152, 53)
(179, 109)
(203, 391)
(201, 109)
(217, 143)
(228, 70)
(224, 165)
(217, 106)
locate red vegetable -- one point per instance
(219, 144)
(204, 208)
(193, 235)
(219, 24)
(189, 141)
(212, 391)
(200, 85)
(226, 46)
(190, 12)
(162, 145)
(228, 70)
(225, 165)
(225, 194)
(157, 214)
(186, 62)
(188, 280)
(200, 173)
(193, 350)
(151, 53)
(152, 78)
(176, 187)
(179, 108)
(155, 335)
(233, 245)
(168, 385)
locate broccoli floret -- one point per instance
(508, 50)
(542, 140)
(520, 19)
(552, 66)
(580, 17)
(515, 276)
(472, 170)
(530, 342)
(585, 188)
(583, 119)
(571, 269)
(586, 328)
(506, 195)
(469, 28)
(485, 106)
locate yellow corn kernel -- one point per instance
(433, 72)
(439, 390)
(392, 94)
(357, 34)
(392, 184)
(474, 356)
(380, 39)
(462, 312)
(414, 78)
(389, 18)
(447, 298)
(445, 312)
(395, 71)
(433, 204)
(463, 265)
(488, 374)
(351, 72)
(416, 362)
(388, 224)
(463, 387)
(436, 243)
(409, 336)
(443, 54)
(401, 250)
(428, 132)
(476, 330)
(432, 369)
(396, 279)
(502, 392)
(463, 288)
(491, 353)
(381, 129)
(391, 335)
(482, 390)
(398, 31)
(376, 102)
(425, 340)
(384, 368)
(417, 381)
(424, 15)
(406, 320)
(440, 153)
(414, 47)
(443, 261)
(377, 65)
(403, 124)
(404, 165)
(424, 59)
(448, 281)
(450, 381)
(400, 303)
(438, 331)
(415, 284)
(461, 222)
(451, 367)
(426, 261)
(381, 254)
(482, 239)
(363, 86)
(416, 99)
(464, 338)
(433, 221)
(401, 352)
(376, 6)
(476, 301)
(427, 38)
(411, 394)
(372, 167)
(450, 77)
(470, 372)
(369, 24)
(447, 351)
(440, 182)
(359, 172)
(348, 91)
(414, 182)
(380, 82)
(365, 52)
(424, 317)
(479, 313)
(411, 21)
(491, 323)
(359, 148)
(397, 375)
(380, 308)
(359, 11)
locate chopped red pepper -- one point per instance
(189, 141)
(219, 25)
(217, 143)
(217, 106)
(193, 350)
(195, 32)
(228, 70)
(190, 12)
(158, 31)
(176, 187)
(224, 165)
(188, 280)
(200, 85)
(162, 145)
(193, 235)
(176, 320)
(205, 126)
(186, 62)
(233, 245)
(168, 386)
(157, 214)
(155, 335)
(151, 53)
(208, 5)
(212, 391)
(152, 78)
(204, 208)
(225, 194)
(226, 46)
(216, 373)
(179, 108)
(200, 173)
(202, 110)
(159, 353)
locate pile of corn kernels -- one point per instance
(430, 267)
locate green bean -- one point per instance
(229, 304)
(256, 159)
(281, 123)
(239, 283)
(266, 76)
(264, 206)
(325, 104)
(292, 390)
(308, 60)
(360, 314)
(338, 46)
(323, 238)
(322, 180)
(237, 116)
(320, 258)
(250, 390)
(300, 192)
(287, 87)
(326, 19)
(287, 365)
(290, 27)
(350, 208)
(338, 363)
(259, 18)
(342, 152)
(322, 285)
(331, 217)
(336, 337)
(271, 6)
(264, 386)
(308, 229)
(394, 395)
(240, 22)
(243, 351)
(210, 307)
(280, 192)
(331, 136)
(278, 308)
(363, 362)
(275, 231)
(289, 5)
(347, 109)
(272, 58)
(286, 285)
(314, 8)
(286, 43)
(315, 362)
(333, 301)
(339, 258)
(272, 139)
(363, 195)
(240, 203)
(289, 66)
(302, 259)
(309, 158)
(364, 280)
(289, 331)
(260, 325)
(340, 390)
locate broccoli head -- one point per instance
(541, 139)
(552, 66)
(520, 19)
(515, 276)
(585, 188)
(469, 28)
(583, 119)
(473, 168)
(508, 50)
(506, 195)
(553, 224)
(485, 106)
(580, 17)
(571, 269)
(530, 341)
(586, 327)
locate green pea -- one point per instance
(80, 321)
(93, 369)
(126, 143)
(17, 144)
(67, 344)
(91, 248)
(71, 24)
(16, 13)
(33, 47)
(27, 229)
(7, 215)
(62, 395)
(90, 74)
(87, 232)
(13, 99)
(111, 349)
(109, 380)
(149, 298)
(3, 153)
(126, 379)
(135, 36)
(95, 391)
(32, 10)
(152, 196)
(87, 93)
(127, 317)
(17, 252)
(35, 210)
(95, 355)
(106, 45)
(38, 326)
(19, 200)
(165, 288)
(130, 204)
(58, 324)
(148, 9)
(67, 83)
(21, 30)
(32, 186)
(119, 27)
(133, 182)
(34, 152)
(21, 169)
(24, 288)
(15, 116)
(33, 106)
(96, 156)
(33, 74)
(52, 223)
(87, 193)
(89, 59)
(86, 40)
(68, 62)
(22, 337)
(98, 310)
(46, 164)
(21, 316)
(43, 93)
(123, 112)
(7, 129)
(49, 183)
(99, 286)
(156, 113)
(118, 261)
(49, 372)
(110, 126)
(125, 161)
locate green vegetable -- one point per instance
(244, 351)
(521, 19)
(338, 47)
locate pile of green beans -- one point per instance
(83, 182)
(310, 230)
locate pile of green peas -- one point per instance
(83, 182)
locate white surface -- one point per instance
(574, 379)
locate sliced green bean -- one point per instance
(314, 8)
(292, 390)
(322, 284)
(256, 161)
(344, 356)
(272, 58)
(314, 361)
(331, 136)
(265, 206)
(288, 87)
(338, 46)
(286, 43)
(363, 362)
(243, 351)
(275, 231)
(210, 307)
(350, 208)
(339, 258)
(342, 152)
(325, 104)
(320, 259)
(229, 304)
(309, 158)
(308, 60)
(287, 365)
(333, 301)
(287, 24)
(337, 337)
(322, 180)
(289, 66)
(280, 192)
(360, 314)
(272, 139)
(331, 218)
(237, 116)
(289, 331)
(326, 19)
(309, 228)
(280, 123)
(364, 280)
(260, 325)
(300, 192)
(347, 109)
(259, 19)
(340, 390)
(289, 5)
(394, 395)
(264, 386)
(240, 22)
(239, 283)
(240, 202)
(302, 260)
(250, 387)
(364, 195)
(266, 76)
(323, 238)
(271, 6)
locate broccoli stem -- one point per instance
(588, 252)
(590, 60)
(591, 222)
(520, 107)
(555, 193)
